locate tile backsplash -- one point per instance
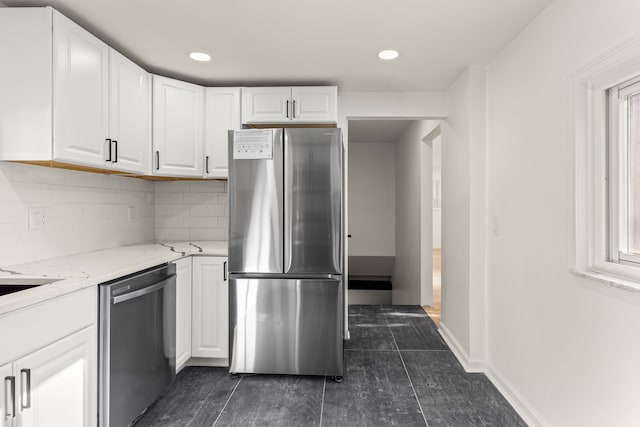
(82, 212)
(191, 210)
(85, 212)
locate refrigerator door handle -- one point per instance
(288, 214)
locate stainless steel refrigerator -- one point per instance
(286, 238)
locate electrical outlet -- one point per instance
(131, 214)
(37, 218)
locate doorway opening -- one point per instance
(372, 209)
(390, 209)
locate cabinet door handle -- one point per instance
(224, 270)
(293, 110)
(115, 151)
(157, 160)
(287, 109)
(108, 140)
(10, 382)
(206, 165)
(25, 386)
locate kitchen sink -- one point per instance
(9, 285)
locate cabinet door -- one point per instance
(80, 105)
(210, 327)
(222, 114)
(8, 396)
(178, 110)
(58, 383)
(266, 104)
(25, 83)
(315, 104)
(183, 311)
(129, 115)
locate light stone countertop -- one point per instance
(92, 268)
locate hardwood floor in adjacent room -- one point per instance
(434, 310)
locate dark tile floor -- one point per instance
(399, 372)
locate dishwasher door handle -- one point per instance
(141, 292)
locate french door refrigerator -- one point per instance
(286, 237)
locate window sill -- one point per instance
(608, 279)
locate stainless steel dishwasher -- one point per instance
(136, 343)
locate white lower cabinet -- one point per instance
(183, 312)
(210, 316)
(49, 363)
(55, 384)
(7, 396)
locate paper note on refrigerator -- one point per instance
(253, 144)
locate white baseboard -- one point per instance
(528, 413)
(519, 403)
(469, 365)
(205, 361)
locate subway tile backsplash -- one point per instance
(191, 210)
(86, 211)
(83, 212)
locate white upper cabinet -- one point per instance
(266, 104)
(314, 104)
(25, 84)
(178, 111)
(80, 90)
(302, 104)
(129, 115)
(222, 114)
(66, 96)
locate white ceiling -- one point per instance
(295, 42)
(380, 131)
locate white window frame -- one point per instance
(619, 173)
(590, 211)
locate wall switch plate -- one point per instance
(131, 214)
(37, 218)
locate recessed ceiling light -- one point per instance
(200, 56)
(388, 54)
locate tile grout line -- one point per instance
(406, 371)
(226, 403)
(324, 388)
(383, 350)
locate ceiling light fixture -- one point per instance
(200, 56)
(388, 55)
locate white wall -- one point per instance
(568, 347)
(191, 210)
(410, 154)
(464, 220)
(407, 105)
(426, 211)
(84, 212)
(372, 172)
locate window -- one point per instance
(605, 168)
(624, 173)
